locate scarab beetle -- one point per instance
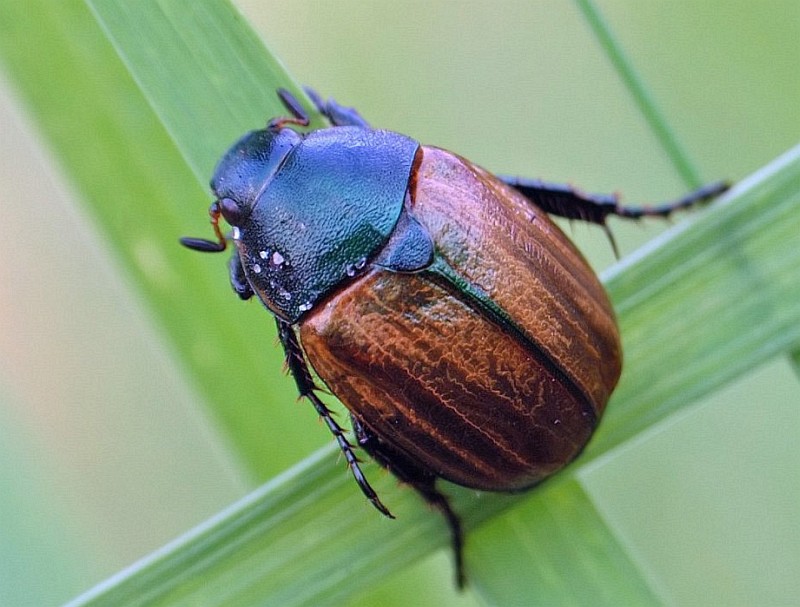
(466, 335)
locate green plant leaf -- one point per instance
(644, 100)
(578, 559)
(137, 160)
(208, 79)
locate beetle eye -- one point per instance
(230, 211)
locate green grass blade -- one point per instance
(208, 77)
(644, 100)
(308, 538)
(130, 165)
(575, 558)
(704, 312)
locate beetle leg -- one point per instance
(424, 483)
(298, 117)
(570, 203)
(338, 115)
(296, 363)
(239, 281)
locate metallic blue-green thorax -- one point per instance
(318, 207)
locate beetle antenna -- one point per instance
(209, 246)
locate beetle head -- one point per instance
(241, 176)
(247, 169)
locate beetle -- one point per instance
(466, 335)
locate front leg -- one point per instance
(298, 368)
(239, 281)
(338, 115)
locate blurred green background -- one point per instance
(99, 425)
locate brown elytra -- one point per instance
(461, 396)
